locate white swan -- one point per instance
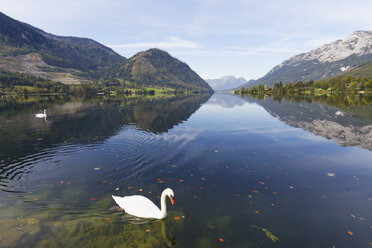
(41, 115)
(141, 206)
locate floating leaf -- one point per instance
(177, 218)
(92, 199)
(181, 180)
(221, 240)
(270, 235)
(250, 196)
(174, 166)
(267, 233)
(350, 233)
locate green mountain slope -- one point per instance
(24, 48)
(72, 60)
(156, 67)
(363, 70)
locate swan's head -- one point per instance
(169, 192)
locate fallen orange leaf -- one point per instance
(92, 199)
(181, 180)
(36, 199)
(107, 218)
(257, 212)
(350, 233)
(221, 240)
(61, 182)
(177, 218)
(256, 191)
(140, 189)
(262, 183)
(275, 193)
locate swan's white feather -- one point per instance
(139, 206)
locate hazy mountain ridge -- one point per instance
(326, 61)
(29, 50)
(226, 82)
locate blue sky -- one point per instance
(215, 37)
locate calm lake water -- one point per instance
(246, 172)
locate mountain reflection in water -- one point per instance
(346, 125)
(83, 121)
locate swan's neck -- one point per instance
(163, 205)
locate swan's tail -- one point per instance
(119, 201)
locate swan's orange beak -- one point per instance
(172, 200)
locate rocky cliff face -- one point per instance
(324, 62)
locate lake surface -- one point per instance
(246, 172)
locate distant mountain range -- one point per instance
(26, 49)
(339, 57)
(226, 82)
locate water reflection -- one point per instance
(82, 121)
(234, 171)
(345, 123)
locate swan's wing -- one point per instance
(138, 205)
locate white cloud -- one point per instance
(169, 44)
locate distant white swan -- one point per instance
(41, 115)
(141, 206)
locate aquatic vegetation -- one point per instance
(17, 232)
(267, 233)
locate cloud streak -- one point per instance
(168, 44)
